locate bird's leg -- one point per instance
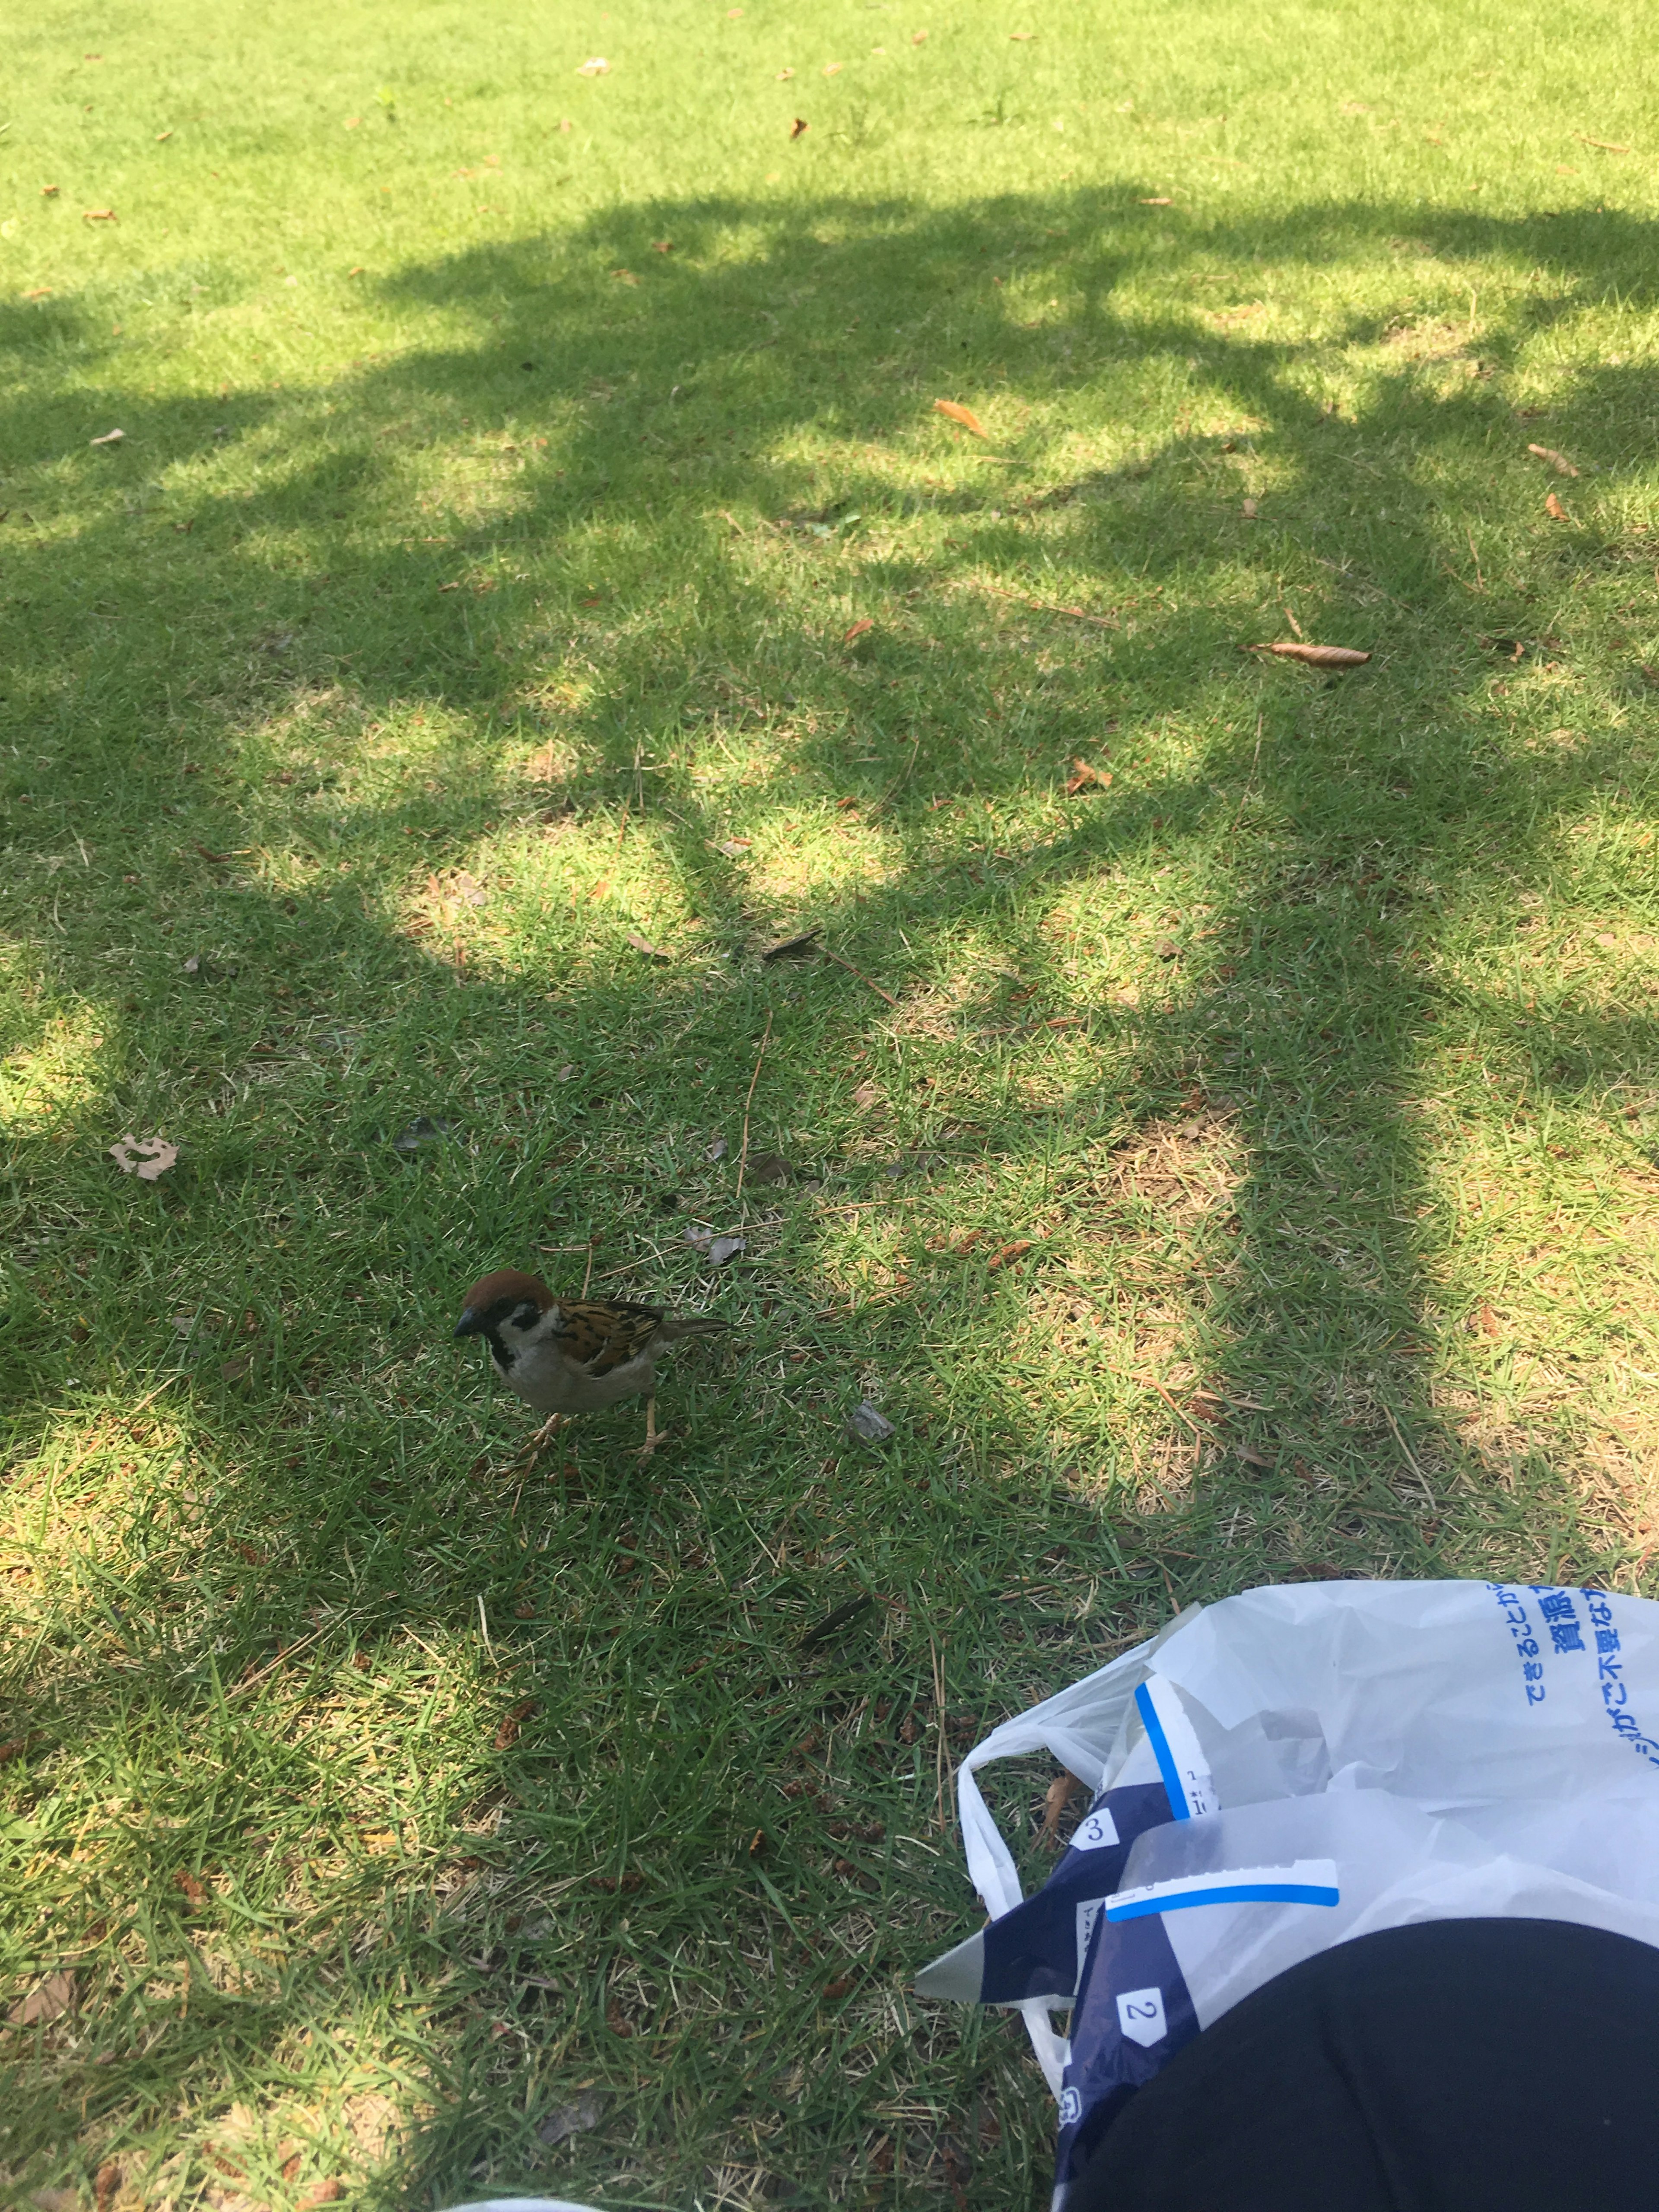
(652, 1438)
(542, 1437)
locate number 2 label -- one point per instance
(1140, 2016)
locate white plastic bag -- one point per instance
(1298, 1765)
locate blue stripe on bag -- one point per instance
(1240, 1892)
(1173, 1784)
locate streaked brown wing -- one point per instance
(600, 1333)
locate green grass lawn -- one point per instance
(532, 537)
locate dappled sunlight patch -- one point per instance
(62, 1074)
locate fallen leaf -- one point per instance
(322, 2192)
(48, 2000)
(234, 1370)
(1084, 778)
(574, 2119)
(644, 945)
(726, 1248)
(866, 1425)
(838, 1988)
(866, 1095)
(965, 415)
(1166, 948)
(1061, 1790)
(616, 2018)
(145, 1157)
(47, 192)
(784, 76)
(597, 66)
(567, 1070)
(1601, 145)
(98, 215)
(769, 1167)
(13, 1748)
(354, 122)
(699, 1239)
(1554, 509)
(844, 1615)
(1009, 1252)
(1317, 656)
(718, 1150)
(195, 1891)
(733, 846)
(507, 1733)
(1486, 1321)
(161, 137)
(662, 245)
(109, 438)
(799, 125)
(863, 623)
(1159, 202)
(1250, 510)
(832, 68)
(104, 2186)
(421, 1131)
(1562, 466)
(625, 275)
(918, 38)
(804, 947)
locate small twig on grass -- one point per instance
(1043, 606)
(1405, 1448)
(743, 1149)
(859, 972)
(1174, 1408)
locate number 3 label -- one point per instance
(1140, 2016)
(1095, 1833)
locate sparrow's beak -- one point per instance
(469, 1322)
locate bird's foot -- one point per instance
(654, 1435)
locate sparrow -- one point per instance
(571, 1355)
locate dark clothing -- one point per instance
(1451, 2066)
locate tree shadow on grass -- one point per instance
(1206, 1371)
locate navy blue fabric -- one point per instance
(1031, 1952)
(1455, 2066)
(1126, 1959)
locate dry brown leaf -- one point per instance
(662, 245)
(105, 2187)
(145, 1157)
(1253, 1458)
(624, 276)
(804, 947)
(1085, 778)
(1317, 656)
(322, 2192)
(161, 137)
(1250, 510)
(832, 68)
(644, 945)
(46, 2000)
(615, 2018)
(109, 438)
(507, 1733)
(799, 125)
(1554, 509)
(866, 1095)
(98, 215)
(1009, 1252)
(863, 623)
(784, 76)
(1166, 948)
(1061, 1790)
(965, 415)
(1562, 466)
(1486, 1322)
(918, 38)
(47, 192)
(195, 1890)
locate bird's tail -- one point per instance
(674, 1325)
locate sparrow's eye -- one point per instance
(527, 1314)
